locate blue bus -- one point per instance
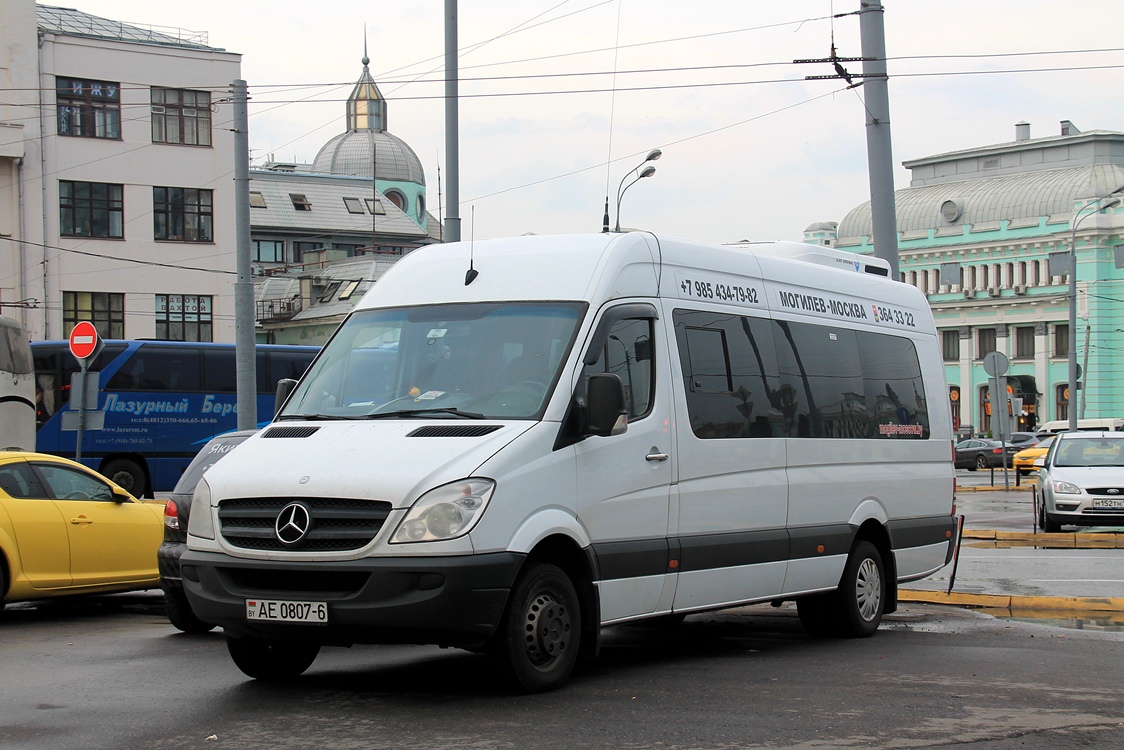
(163, 400)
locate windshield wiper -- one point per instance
(312, 417)
(450, 410)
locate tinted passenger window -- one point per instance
(729, 374)
(155, 368)
(748, 377)
(65, 483)
(220, 371)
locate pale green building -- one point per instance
(999, 211)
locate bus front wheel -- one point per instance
(128, 474)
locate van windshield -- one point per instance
(474, 360)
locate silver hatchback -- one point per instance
(1081, 481)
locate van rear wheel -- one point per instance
(539, 637)
(854, 610)
(271, 660)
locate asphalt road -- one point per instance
(111, 673)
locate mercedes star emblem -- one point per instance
(293, 523)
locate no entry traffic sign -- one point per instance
(84, 340)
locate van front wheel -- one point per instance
(539, 637)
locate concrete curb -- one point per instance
(1070, 540)
(1003, 601)
(1024, 487)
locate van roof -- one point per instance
(790, 276)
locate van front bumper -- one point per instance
(449, 601)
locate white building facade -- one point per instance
(116, 178)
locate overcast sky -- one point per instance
(750, 149)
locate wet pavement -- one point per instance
(1079, 570)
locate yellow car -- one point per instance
(1023, 461)
(65, 529)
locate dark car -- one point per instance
(176, 513)
(1023, 439)
(978, 453)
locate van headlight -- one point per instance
(444, 512)
(200, 523)
(1066, 488)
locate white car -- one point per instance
(1082, 481)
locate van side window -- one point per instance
(629, 354)
(839, 383)
(729, 374)
(749, 377)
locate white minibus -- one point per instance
(513, 444)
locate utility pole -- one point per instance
(1085, 371)
(879, 156)
(245, 352)
(452, 124)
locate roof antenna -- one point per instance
(472, 273)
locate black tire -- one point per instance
(862, 592)
(1046, 523)
(854, 610)
(981, 462)
(180, 615)
(128, 474)
(271, 660)
(539, 636)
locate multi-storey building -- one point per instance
(116, 166)
(1000, 212)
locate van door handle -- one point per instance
(655, 455)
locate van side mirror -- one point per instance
(285, 388)
(605, 410)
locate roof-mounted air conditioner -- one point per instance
(1020, 289)
(993, 291)
(969, 293)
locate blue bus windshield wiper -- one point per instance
(312, 417)
(452, 411)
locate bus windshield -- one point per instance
(476, 360)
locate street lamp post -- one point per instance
(648, 171)
(1077, 218)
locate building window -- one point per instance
(954, 404)
(182, 117)
(397, 198)
(300, 202)
(91, 209)
(257, 200)
(985, 410)
(269, 251)
(354, 205)
(106, 310)
(421, 209)
(182, 214)
(1061, 341)
(987, 341)
(88, 109)
(349, 289)
(1024, 341)
(376, 207)
(1061, 402)
(950, 344)
(184, 317)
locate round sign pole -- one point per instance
(84, 345)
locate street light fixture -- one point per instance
(648, 171)
(1077, 218)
